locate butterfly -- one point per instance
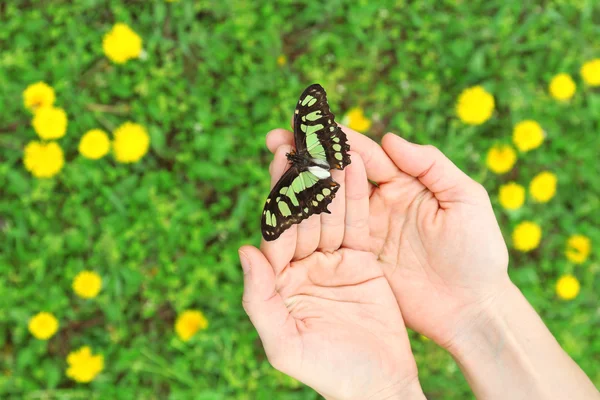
(307, 188)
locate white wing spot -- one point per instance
(319, 172)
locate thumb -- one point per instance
(428, 164)
(263, 304)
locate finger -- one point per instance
(332, 225)
(378, 165)
(264, 305)
(279, 137)
(309, 234)
(280, 251)
(444, 179)
(356, 233)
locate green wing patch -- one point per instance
(315, 130)
(295, 197)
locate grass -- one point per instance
(164, 233)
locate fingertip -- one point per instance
(278, 137)
(391, 139)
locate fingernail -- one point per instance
(245, 261)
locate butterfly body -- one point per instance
(307, 187)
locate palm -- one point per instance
(416, 243)
(348, 321)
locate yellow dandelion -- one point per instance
(43, 160)
(83, 366)
(131, 142)
(578, 249)
(528, 135)
(562, 87)
(43, 325)
(543, 187)
(527, 236)
(94, 144)
(50, 122)
(475, 105)
(122, 44)
(38, 95)
(355, 119)
(87, 284)
(567, 287)
(190, 322)
(511, 196)
(501, 158)
(281, 60)
(590, 72)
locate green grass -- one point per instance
(164, 233)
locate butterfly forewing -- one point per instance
(295, 197)
(315, 129)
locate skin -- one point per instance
(321, 304)
(430, 232)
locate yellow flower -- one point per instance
(281, 60)
(43, 160)
(122, 44)
(527, 236)
(131, 142)
(528, 135)
(83, 366)
(188, 323)
(43, 325)
(94, 144)
(567, 287)
(38, 95)
(512, 196)
(562, 87)
(578, 248)
(475, 105)
(50, 122)
(87, 284)
(355, 119)
(543, 186)
(501, 158)
(590, 71)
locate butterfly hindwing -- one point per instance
(315, 129)
(295, 197)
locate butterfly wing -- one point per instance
(295, 197)
(315, 129)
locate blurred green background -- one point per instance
(164, 233)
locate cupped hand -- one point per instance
(432, 231)
(320, 302)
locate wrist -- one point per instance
(482, 324)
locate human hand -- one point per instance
(320, 302)
(432, 230)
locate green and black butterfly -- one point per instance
(307, 188)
